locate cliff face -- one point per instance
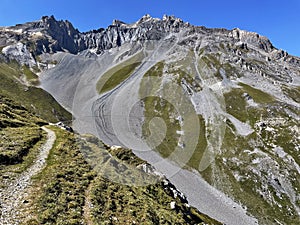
(51, 35)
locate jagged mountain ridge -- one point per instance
(61, 35)
(51, 35)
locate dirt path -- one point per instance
(88, 205)
(13, 196)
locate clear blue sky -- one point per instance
(279, 20)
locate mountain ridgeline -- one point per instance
(219, 108)
(49, 35)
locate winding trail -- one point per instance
(13, 196)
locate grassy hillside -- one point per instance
(69, 184)
(118, 74)
(16, 83)
(19, 131)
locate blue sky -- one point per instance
(279, 20)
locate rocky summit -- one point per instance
(215, 111)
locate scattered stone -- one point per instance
(173, 205)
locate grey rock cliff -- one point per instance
(49, 35)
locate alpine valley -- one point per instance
(153, 122)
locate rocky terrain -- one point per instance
(216, 108)
(47, 170)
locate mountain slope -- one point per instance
(35, 191)
(222, 103)
(18, 83)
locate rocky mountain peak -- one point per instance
(53, 26)
(165, 21)
(144, 18)
(172, 18)
(253, 39)
(118, 23)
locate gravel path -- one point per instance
(13, 196)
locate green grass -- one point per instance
(18, 150)
(34, 99)
(20, 138)
(236, 104)
(61, 186)
(119, 203)
(142, 205)
(116, 75)
(31, 77)
(201, 146)
(257, 95)
(158, 107)
(16, 143)
(126, 155)
(156, 70)
(19, 131)
(292, 92)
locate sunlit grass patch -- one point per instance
(116, 75)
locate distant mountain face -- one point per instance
(49, 35)
(222, 102)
